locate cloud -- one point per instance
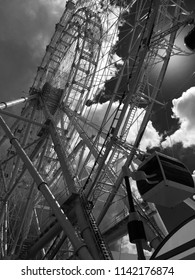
(183, 110)
(95, 115)
(151, 137)
(25, 28)
(125, 247)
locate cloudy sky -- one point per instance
(25, 30)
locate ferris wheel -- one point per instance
(64, 195)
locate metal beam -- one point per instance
(4, 105)
(21, 118)
(78, 245)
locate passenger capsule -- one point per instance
(189, 40)
(170, 181)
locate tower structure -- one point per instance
(63, 194)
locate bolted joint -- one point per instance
(12, 140)
(42, 184)
(3, 105)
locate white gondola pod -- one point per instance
(170, 184)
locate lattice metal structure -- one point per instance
(62, 189)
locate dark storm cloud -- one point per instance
(190, 4)
(25, 28)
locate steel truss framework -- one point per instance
(62, 190)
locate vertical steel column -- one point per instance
(86, 231)
(78, 245)
(27, 207)
(133, 85)
(144, 122)
(62, 158)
